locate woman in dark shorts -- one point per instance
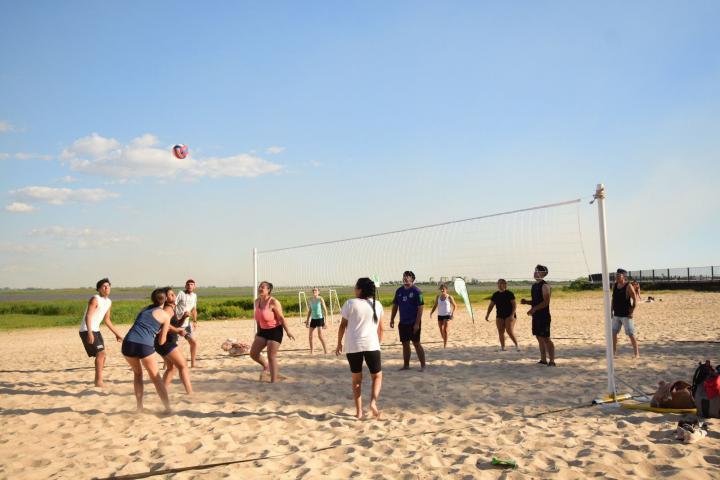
(270, 323)
(504, 300)
(445, 305)
(362, 320)
(316, 318)
(138, 347)
(174, 359)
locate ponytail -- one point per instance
(368, 289)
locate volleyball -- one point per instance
(180, 151)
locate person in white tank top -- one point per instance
(185, 311)
(97, 311)
(445, 305)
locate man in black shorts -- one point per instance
(409, 300)
(540, 312)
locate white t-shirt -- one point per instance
(361, 334)
(185, 302)
(103, 305)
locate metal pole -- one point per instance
(600, 197)
(255, 281)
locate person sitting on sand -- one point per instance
(174, 359)
(362, 321)
(270, 323)
(624, 300)
(505, 317)
(318, 312)
(540, 313)
(445, 305)
(138, 347)
(97, 311)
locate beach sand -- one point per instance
(471, 404)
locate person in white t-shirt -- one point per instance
(185, 310)
(97, 311)
(362, 322)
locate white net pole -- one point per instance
(600, 197)
(255, 280)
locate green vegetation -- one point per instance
(35, 308)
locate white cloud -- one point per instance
(66, 179)
(60, 196)
(20, 248)
(274, 150)
(243, 165)
(83, 238)
(315, 163)
(144, 157)
(6, 127)
(19, 207)
(24, 156)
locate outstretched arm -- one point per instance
(109, 324)
(341, 334)
(490, 308)
(277, 308)
(435, 304)
(92, 307)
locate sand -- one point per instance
(471, 404)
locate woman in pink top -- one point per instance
(270, 320)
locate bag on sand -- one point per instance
(673, 395)
(706, 390)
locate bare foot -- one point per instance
(403, 368)
(374, 409)
(99, 384)
(264, 376)
(360, 416)
(422, 369)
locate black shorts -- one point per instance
(92, 349)
(407, 334)
(444, 317)
(372, 359)
(169, 345)
(136, 350)
(541, 327)
(317, 322)
(274, 334)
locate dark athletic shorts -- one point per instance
(444, 317)
(274, 334)
(169, 346)
(372, 359)
(407, 335)
(136, 350)
(96, 347)
(541, 327)
(317, 322)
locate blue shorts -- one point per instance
(623, 322)
(136, 350)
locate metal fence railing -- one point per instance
(682, 274)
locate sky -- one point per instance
(310, 121)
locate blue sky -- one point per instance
(309, 121)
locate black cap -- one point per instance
(621, 271)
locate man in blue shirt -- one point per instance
(409, 300)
